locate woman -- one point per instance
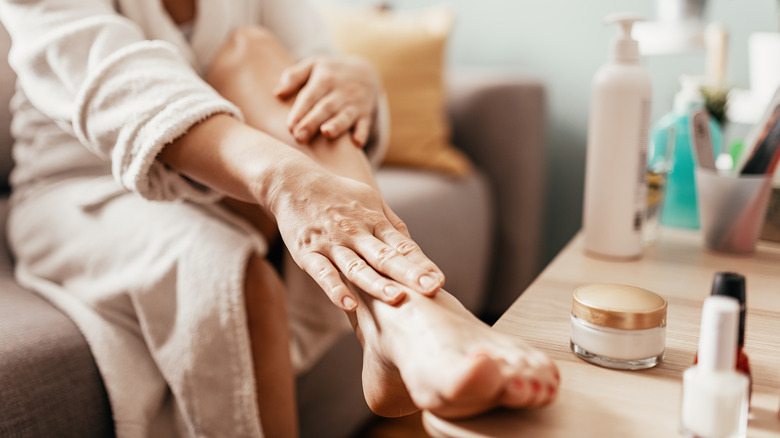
(162, 147)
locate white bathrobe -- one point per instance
(155, 287)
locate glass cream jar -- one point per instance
(618, 326)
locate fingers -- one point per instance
(293, 78)
(398, 238)
(374, 267)
(328, 278)
(334, 96)
(331, 115)
(387, 260)
(307, 99)
(340, 123)
(395, 221)
(359, 273)
(362, 131)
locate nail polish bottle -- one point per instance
(731, 284)
(714, 393)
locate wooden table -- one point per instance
(600, 402)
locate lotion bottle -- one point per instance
(615, 175)
(715, 395)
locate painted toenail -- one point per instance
(557, 376)
(551, 389)
(536, 386)
(518, 383)
(480, 354)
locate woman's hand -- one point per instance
(335, 95)
(334, 225)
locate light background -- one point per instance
(563, 43)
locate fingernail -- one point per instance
(392, 292)
(302, 134)
(349, 303)
(428, 282)
(536, 386)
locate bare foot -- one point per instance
(432, 353)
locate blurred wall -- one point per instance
(563, 42)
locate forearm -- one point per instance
(341, 157)
(226, 155)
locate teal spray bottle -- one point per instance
(680, 209)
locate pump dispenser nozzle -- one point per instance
(624, 49)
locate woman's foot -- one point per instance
(431, 353)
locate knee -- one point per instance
(245, 43)
(252, 51)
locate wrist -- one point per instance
(288, 179)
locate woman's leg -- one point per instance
(270, 339)
(424, 353)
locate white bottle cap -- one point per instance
(624, 49)
(719, 332)
(689, 97)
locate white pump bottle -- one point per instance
(618, 128)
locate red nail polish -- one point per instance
(518, 383)
(551, 389)
(536, 386)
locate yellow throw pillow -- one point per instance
(408, 49)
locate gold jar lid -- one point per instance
(619, 306)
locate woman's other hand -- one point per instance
(335, 96)
(334, 225)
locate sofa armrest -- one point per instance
(499, 121)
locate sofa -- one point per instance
(484, 231)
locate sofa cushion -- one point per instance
(49, 383)
(7, 82)
(408, 49)
(452, 221)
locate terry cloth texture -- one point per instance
(155, 287)
(157, 290)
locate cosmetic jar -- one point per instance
(618, 326)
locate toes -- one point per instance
(534, 384)
(518, 393)
(523, 392)
(477, 387)
(480, 381)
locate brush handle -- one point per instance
(767, 151)
(702, 143)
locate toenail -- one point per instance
(536, 386)
(551, 389)
(518, 383)
(480, 354)
(557, 376)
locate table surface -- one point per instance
(600, 402)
